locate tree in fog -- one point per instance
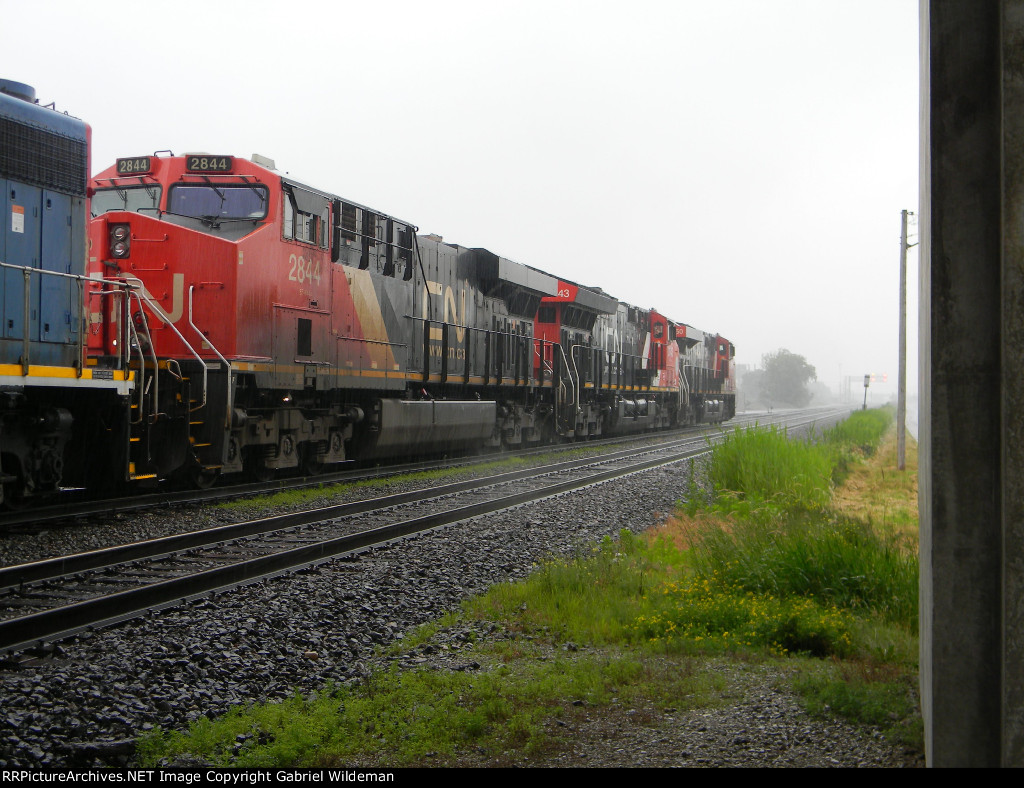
(749, 388)
(785, 378)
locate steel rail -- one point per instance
(12, 577)
(57, 623)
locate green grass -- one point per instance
(834, 559)
(762, 466)
(862, 430)
(865, 692)
(781, 534)
(414, 717)
(764, 570)
(652, 596)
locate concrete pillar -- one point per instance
(972, 381)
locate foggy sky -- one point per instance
(740, 165)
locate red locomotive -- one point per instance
(275, 325)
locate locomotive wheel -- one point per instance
(257, 469)
(547, 432)
(202, 478)
(14, 499)
(309, 464)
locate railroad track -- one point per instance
(56, 598)
(78, 509)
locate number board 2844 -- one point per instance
(208, 163)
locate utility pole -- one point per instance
(901, 396)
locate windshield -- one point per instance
(218, 202)
(129, 198)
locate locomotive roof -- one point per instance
(534, 279)
(591, 298)
(302, 183)
(18, 103)
(494, 267)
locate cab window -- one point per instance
(306, 217)
(218, 202)
(128, 198)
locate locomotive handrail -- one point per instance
(545, 365)
(346, 231)
(26, 310)
(122, 289)
(369, 341)
(80, 281)
(527, 377)
(573, 354)
(157, 311)
(139, 178)
(143, 383)
(575, 384)
(205, 176)
(423, 273)
(131, 338)
(683, 382)
(231, 374)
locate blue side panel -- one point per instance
(55, 292)
(43, 173)
(12, 287)
(22, 227)
(79, 258)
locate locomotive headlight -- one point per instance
(120, 241)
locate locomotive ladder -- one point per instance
(202, 430)
(147, 386)
(201, 434)
(188, 400)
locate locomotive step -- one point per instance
(133, 476)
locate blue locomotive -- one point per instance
(50, 395)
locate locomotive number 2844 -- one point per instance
(303, 270)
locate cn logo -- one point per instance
(177, 298)
(451, 309)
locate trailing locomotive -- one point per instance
(53, 402)
(275, 325)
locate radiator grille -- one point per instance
(41, 157)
